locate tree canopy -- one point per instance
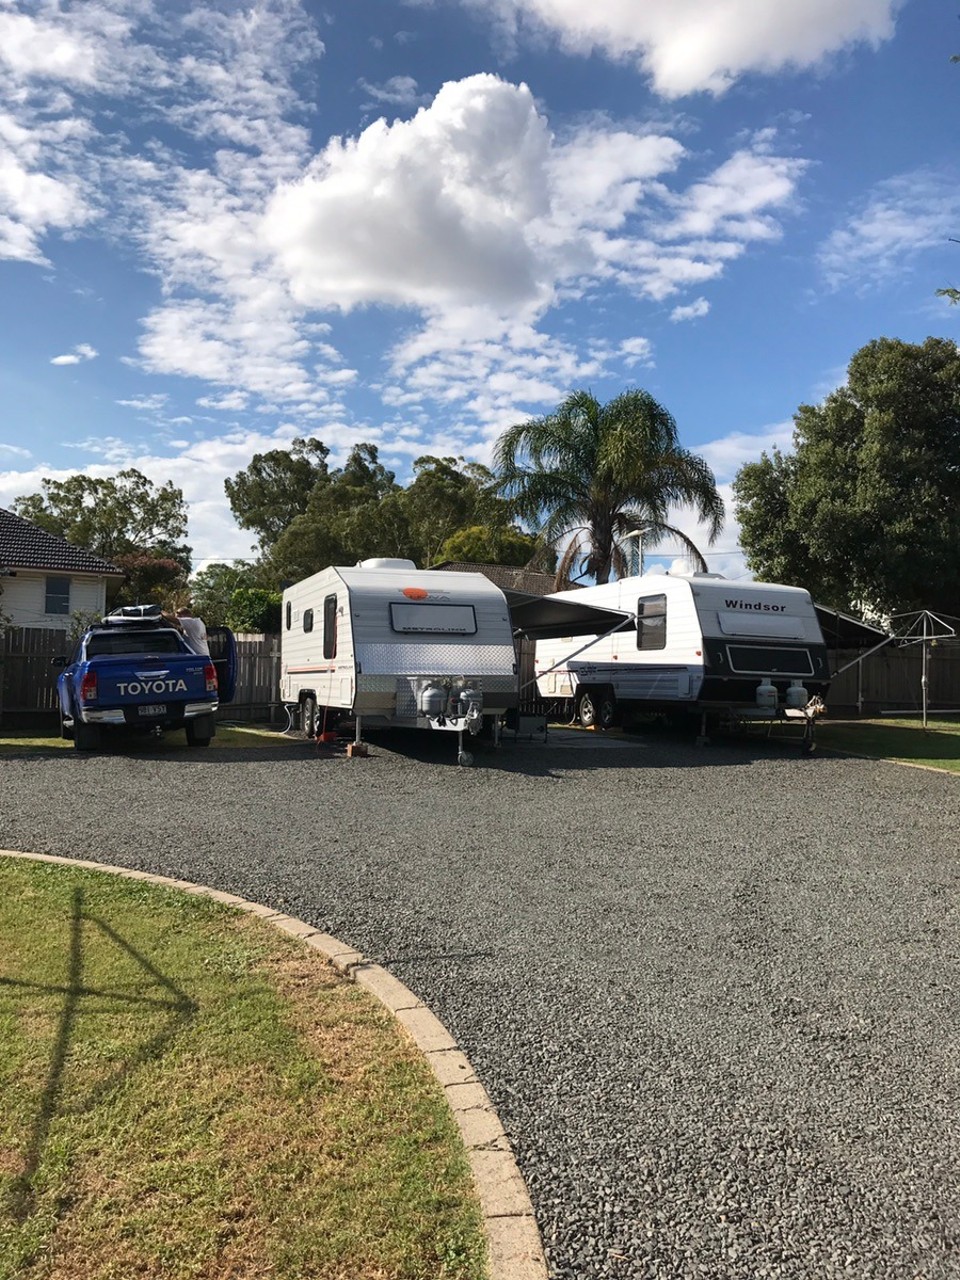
(360, 512)
(126, 519)
(865, 513)
(276, 487)
(589, 474)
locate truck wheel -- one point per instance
(66, 730)
(587, 709)
(308, 716)
(198, 735)
(86, 737)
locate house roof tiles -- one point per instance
(25, 546)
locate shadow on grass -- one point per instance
(22, 1198)
(893, 741)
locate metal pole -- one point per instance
(635, 538)
(923, 677)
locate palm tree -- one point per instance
(594, 473)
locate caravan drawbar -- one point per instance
(388, 644)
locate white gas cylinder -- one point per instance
(797, 695)
(767, 695)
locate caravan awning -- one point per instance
(547, 618)
(841, 631)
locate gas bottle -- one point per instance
(432, 701)
(797, 695)
(767, 695)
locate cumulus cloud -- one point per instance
(692, 311)
(474, 214)
(427, 212)
(690, 46)
(83, 351)
(899, 219)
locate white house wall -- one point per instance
(24, 597)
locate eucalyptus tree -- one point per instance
(588, 475)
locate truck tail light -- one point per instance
(88, 687)
(210, 675)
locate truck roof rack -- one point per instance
(150, 615)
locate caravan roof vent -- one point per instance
(701, 574)
(385, 563)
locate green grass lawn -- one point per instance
(896, 739)
(186, 1093)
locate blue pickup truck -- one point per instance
(138, 673)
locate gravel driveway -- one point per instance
(713, 993)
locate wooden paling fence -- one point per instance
(888, 680)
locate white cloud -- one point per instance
(636, 351)
(727, 455)
(428, 212)
(146, 404)
(401, 91)
(233, 401)
(899, 219)
(475, 215)
(693, 311)
(83, 351)
(689, 46)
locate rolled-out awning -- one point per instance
(841, 631)
(548, 618)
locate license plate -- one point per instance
(152, 711)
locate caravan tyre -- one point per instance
(587, 709)
(308, 716)
(606, 710)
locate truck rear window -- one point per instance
(133, 642)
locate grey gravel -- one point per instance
(712, 993)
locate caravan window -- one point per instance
(434, 619)
(756, 660)
(652, 622)
(330, 627)
(308, 619)
(289, 614)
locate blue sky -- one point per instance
(414, 222)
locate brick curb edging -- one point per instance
(514, 1248)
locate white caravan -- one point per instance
(696, 643)
(392, 645)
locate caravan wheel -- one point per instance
(587, 709)
(606, 710)
(308, 716)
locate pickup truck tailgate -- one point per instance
(121, 682)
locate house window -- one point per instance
(57, 597)
(652, 623)
(308, 619)
(330, 627)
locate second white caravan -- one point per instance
(694, 643)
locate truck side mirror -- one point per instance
(59, 661)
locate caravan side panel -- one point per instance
(316, 643)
